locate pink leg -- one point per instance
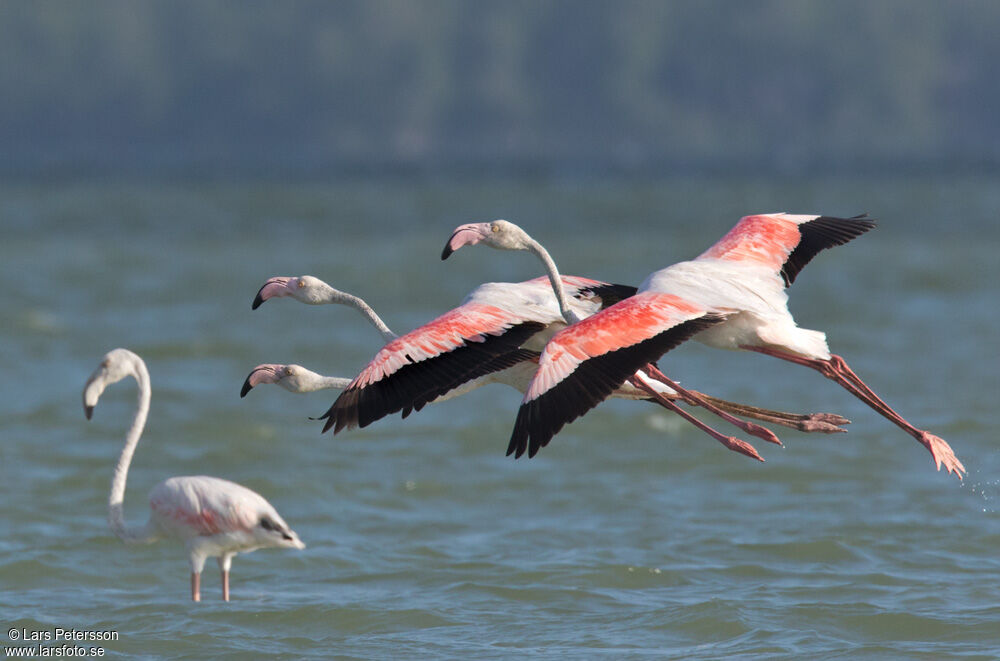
(195, 586)
(836, 369)
(825, 423)
(694, 400)
(730, 442)
(225, 585)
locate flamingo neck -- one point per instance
(366, 310)
(320, 382)
(116, 500)
(334, 382)
(537, 249)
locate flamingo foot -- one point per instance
(741, 446)
(762, 432)
(942, 453)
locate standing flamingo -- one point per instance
(514, 369)
(742, 276)
(213, 517)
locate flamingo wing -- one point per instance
(584, 363)
(482, 336)
(785, 242)
(425, 363)
(498, 364)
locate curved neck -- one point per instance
(116, 500)
(365, 309)
(557, 284)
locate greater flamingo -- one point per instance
(532, 302)
(213, 517)
(743, 277)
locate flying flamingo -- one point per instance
(213, 517)
(452, 342)
(504, 235)
(298, 379)
(743, 277)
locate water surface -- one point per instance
(631, 536)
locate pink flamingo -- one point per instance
(213, 517)
(742, 277)
(528, 302)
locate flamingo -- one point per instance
(213, 517)
(298, 379)
(293, 378)
(533, 300)
(504, 235)
(743, 277)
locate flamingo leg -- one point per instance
(836, 369)
(225, 562)
(731, 442)
(694, 400)
(195, 586)
(825, 423)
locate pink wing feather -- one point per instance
(584, 363)
(785, 243)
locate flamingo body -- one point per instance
(213, 516)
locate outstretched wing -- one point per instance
(584, 363)
(786, 242)
(465, 343)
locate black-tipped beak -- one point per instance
(247, 387)
(88, 411)
(257, 300)
(446, 253)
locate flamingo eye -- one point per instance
(105, 363)
(289, 371)
(494, 228)
(300, 284)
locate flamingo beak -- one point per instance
(464, 235)
(273, 287)
(260, 374)
(88, 411)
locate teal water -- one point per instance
(631, 536)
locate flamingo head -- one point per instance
(304, 288)
(499, 234)
(115, 366)
(272, 531)
(293, 378)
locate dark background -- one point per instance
(309, 89)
